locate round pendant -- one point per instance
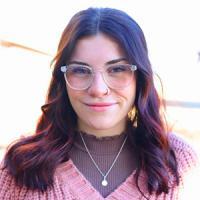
(104, 182)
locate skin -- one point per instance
(101, 111)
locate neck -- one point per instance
(100, 145)
(102, 132)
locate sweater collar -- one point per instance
(100, 145)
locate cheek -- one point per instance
(75, 97)
(127, 100)
(129, 93)
(72, 96)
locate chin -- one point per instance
(100, 127)
(107, 127)
(102, 124)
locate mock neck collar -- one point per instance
(100, 145)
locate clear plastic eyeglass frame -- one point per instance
(64, 70)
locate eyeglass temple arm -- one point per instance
(133, 67)
(63, 69)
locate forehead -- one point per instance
(97, 50)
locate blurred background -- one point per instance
(29, 34)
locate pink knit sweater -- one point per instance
(70, 184)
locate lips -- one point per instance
(100, 106)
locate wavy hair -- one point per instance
(32, 160)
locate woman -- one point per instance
(100, 135)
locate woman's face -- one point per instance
(101, 111)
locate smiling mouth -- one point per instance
(100, 106)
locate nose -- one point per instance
(98, 87)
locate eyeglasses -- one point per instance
(80, 77)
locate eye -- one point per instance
(118, 69)
(79, 70)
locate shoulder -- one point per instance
(185, 154)
(188, 167)
(7, 183)
(10, 190)
(8, 187)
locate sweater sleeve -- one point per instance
(189, 169)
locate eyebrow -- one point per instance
(107, 63)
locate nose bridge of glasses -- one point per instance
(99, 77)
(98, 70)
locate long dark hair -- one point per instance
(32, 161)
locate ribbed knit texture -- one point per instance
(103, 151)
(70, 184)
